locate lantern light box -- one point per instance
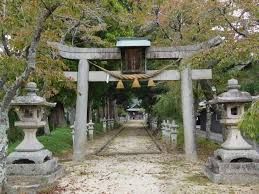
(133, 54)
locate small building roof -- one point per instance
(133, 42)
(136, 110)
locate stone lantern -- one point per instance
(235, 162)
(30, 158)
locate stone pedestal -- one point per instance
(91, 130)
(173, 137)
(235, 163)
(30, 142)
(91, 134)
(233, 167)
(166, 136)
(235, 141)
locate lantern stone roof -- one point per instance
(133, 42)
(233, 95)
(31, 98)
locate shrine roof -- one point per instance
(133, 42)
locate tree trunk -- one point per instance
(46, 127)
(108, 108)
(208, 121)
(4, 8)
(115, 110)
(4, 125)
(99, 114)
(105, 108)
(90, 111)
(57, 116)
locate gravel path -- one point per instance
(117, 173)
(131, 140)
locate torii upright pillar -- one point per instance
(81, 110)
(188, 114)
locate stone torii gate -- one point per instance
(83, 76)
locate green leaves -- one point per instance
(168, 105)
(250, 123)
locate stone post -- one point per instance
(163, 130)
(173, 135)
(168, 132)
(81, 111)
(188, 114)
(91, 130)
(112, 123)
(72, 127)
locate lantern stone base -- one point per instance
(33, 184)
(36, 157)
(234, 155)
(31, 171)
(233, 167)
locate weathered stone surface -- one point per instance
(166, 135)
(91, 134)
(80, 136)
(229, 155)
(30, 142)
(37, 157)
(235, 141)
(33, 184)
(45, 168)
(152, 52)
(231, 173)
(188, 114)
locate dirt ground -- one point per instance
(133, 164)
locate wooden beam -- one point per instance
(176, 52)
(168, 75)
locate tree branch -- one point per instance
(2, 81)
(222, 12)
(69, 31)
(5, 44)
(30, 59)
(206, 88)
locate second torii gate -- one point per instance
(83, 76)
